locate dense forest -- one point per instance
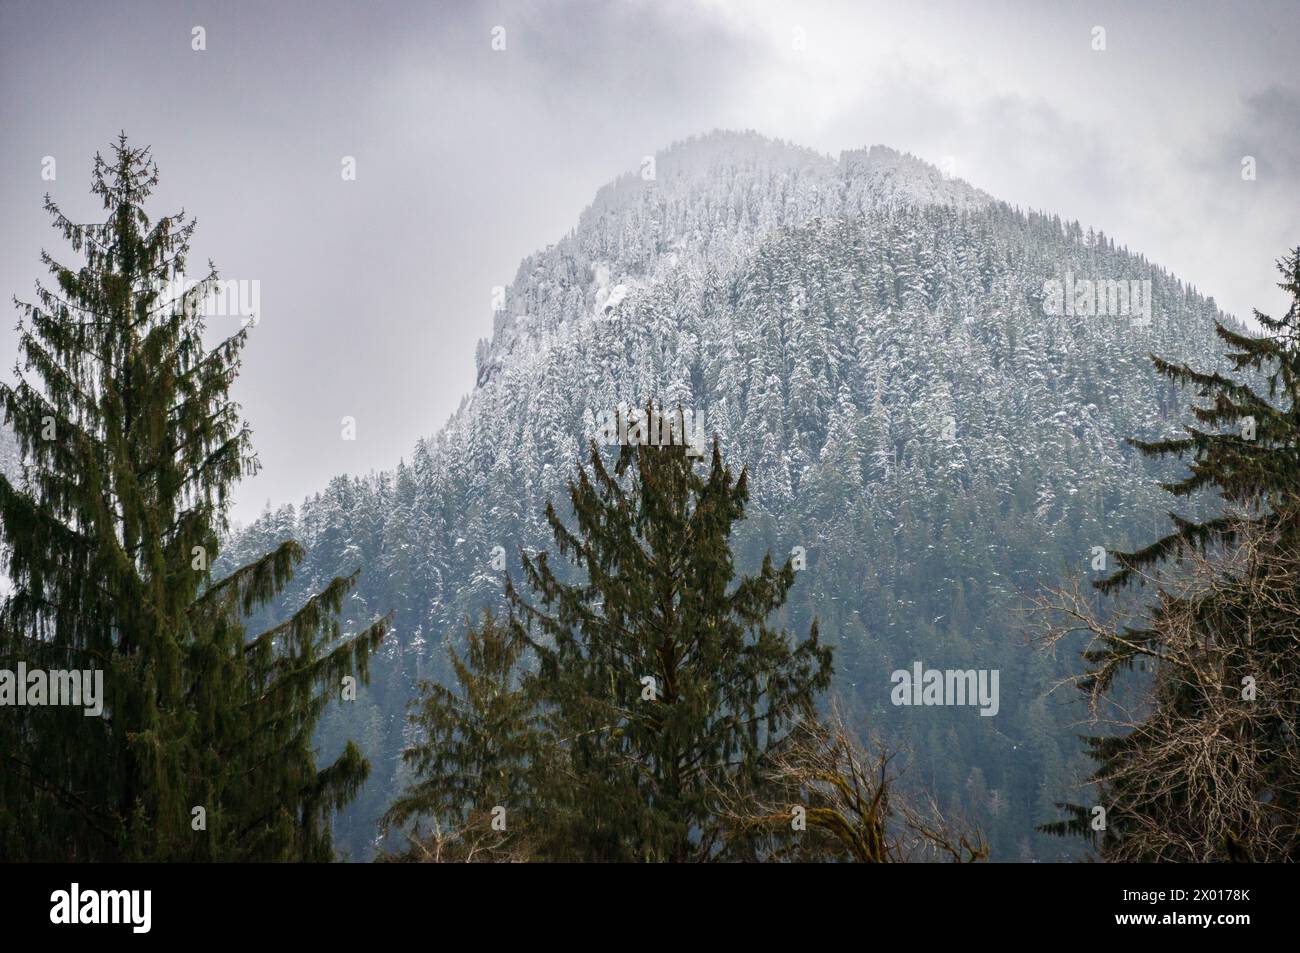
(870, 340)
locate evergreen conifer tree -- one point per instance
(1210, 771)
(131, 443)
(1252, 457)
(660, 672)
(478, 747)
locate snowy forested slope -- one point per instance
(869, 339)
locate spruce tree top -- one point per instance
(1252, 454)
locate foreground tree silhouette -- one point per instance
(1211, 771)
(131, 445)
(659, 674)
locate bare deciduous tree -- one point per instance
(477, 842)
(827, 797)
(1208, 767)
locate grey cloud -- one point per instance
(1271, 126)
(375, 291)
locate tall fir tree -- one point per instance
(131, 445)
(659, 671)
(1210, 771)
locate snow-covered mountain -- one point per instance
(871, 339)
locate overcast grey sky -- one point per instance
(374, 291)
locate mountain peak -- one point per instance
(710, 200)
(741, 144)
(894, 177)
